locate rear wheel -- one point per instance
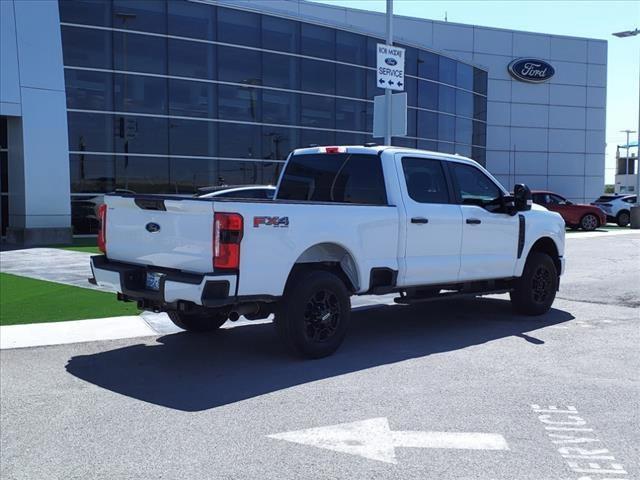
(198, 322)
(314, 315)
(589, 222)
(623, 218)
(535, 290)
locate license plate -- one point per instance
(153, 281)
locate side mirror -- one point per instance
(522, 197)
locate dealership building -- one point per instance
(165, 96)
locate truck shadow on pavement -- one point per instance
(194, 372)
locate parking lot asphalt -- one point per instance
(556, 396)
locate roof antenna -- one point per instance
(445, 16)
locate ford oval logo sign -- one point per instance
(152, 227)
(531, 70)
(390, 61)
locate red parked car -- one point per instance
(586, 217)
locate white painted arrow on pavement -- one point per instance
(374, 439)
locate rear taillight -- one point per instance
(227, 234)
(102, 233)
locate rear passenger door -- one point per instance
(489, 235)
(431, 221)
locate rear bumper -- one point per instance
(129, 280)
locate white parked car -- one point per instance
(345, 221)
(616, 207)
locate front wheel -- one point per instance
(535, 290)
(314, 315)
(623, 218)
(589, 222)
(198, 322)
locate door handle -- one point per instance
(419, 220)
(474, 221)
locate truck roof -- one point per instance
(375, 149)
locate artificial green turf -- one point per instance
(82, 249)
(25, 300)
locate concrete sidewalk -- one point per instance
(50, 264)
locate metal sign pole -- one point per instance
(387, 93)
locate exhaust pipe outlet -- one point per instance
(244, 309)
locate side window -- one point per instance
(556, 199)
(540, 198)
(425, 179)
(474, 187)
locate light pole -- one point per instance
(635, 210)
(387, 92)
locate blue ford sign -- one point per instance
(152, 227)
(390, 61)
(531, 70)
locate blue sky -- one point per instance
(592, 19)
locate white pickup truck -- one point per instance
(345, 221)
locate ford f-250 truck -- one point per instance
(345, 221)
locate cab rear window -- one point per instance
(339, 178)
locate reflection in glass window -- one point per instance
(425, 180)
(446, 147)
(404, 142)
(348, 178)
(463, 130)
(411, 87)
(280, 107)
(446, 127)
(480, 107)
(83, 47)
(84, 214)
(410, 61)
(464, 76)
(427, 124)
(92, 132)
(428, 95)
(139, 53)
(190, 59)
(317, 76)
(446, 99)
(193, 20)
(143, 15)
(344, 138)
(372, 87)
(464, 103)
(474, 187)
(479, 133)
(277, 142)
(89, 12)
(479, 81)
(351, 47)
(92, 173)
(280, 34)
(137, 93)
(193, 137)
(464, 150)
(239, 103)
(316, 111)
(412, 122)
(428, 145)
(89, 90)
(428, 65)
(142, 174)
(447, 71)
(240, 173)
(186, 175)
(192, 99)
(239, 65)
(352, 81)
(350, 115)
(240, 141)
(310, 137)
(141, 134)
(316, 41)
(479, 155)
(280, 71)
(238, 27)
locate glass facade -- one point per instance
(168, 95)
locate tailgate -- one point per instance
(160, 231)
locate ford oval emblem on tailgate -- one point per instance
(152, 227)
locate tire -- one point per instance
(314, 315)
(535, 290)
(589, 222)
(623, 218)
(198, 322)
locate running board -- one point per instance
(405, 300)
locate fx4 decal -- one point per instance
(278, 222)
